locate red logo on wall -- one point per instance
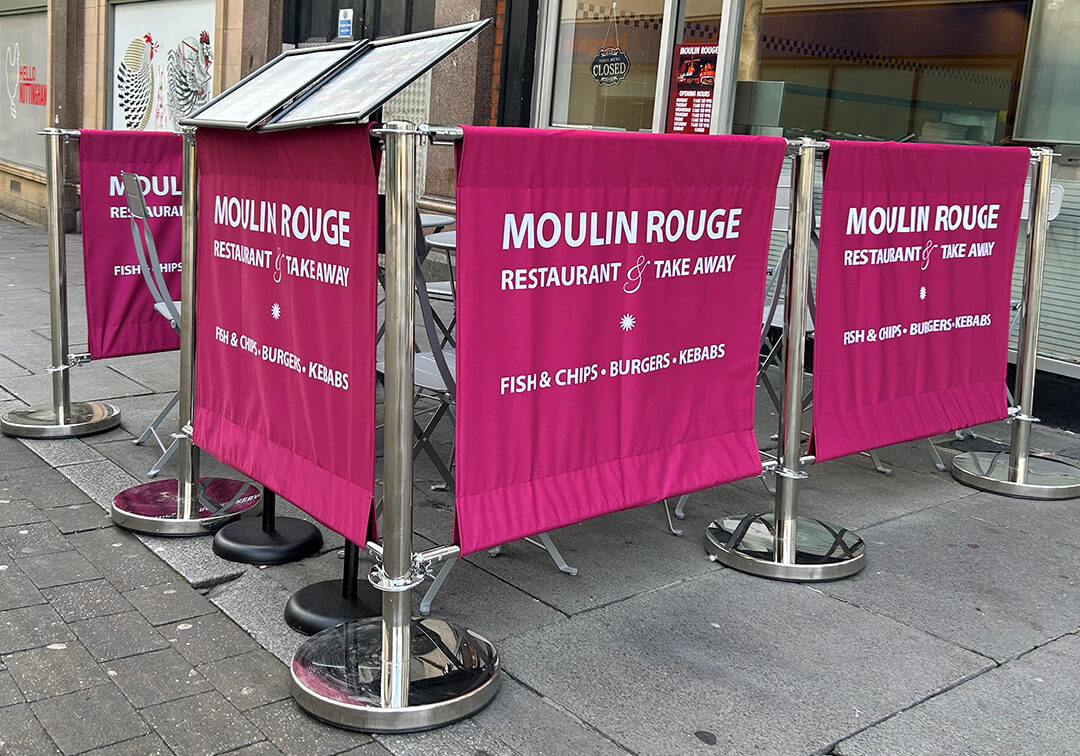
(30, 92)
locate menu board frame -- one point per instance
(277, 123)
(197, 119)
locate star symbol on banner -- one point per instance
(627, 322)
(922, 292)
(275, 311)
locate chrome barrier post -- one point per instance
(1022, 474)
(189, 505)
(781, 544)
(61, 418)
(393, 673)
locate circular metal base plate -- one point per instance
(245, 541)
(320, 606)
(151, 507)
(822, 551)
(39, 421)
(1046, 478)
(336, 676)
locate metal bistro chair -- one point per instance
(439, 291)
(164, 304)
(434, 379)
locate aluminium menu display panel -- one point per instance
(380, 71)
(261, 93)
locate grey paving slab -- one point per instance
(296, 575)
(850, 493)
(208, 638)
(118, 635)
(75, 518)
(95, 381)
(57, 568)
(146, 745)
(101, 481)
(175, 723)
(517, 719)
(89, 719)
(80, 601)
(992, 590)
(169, 603)
(62, 451)
(16, 590)
(639, 535)
(54, 670)
(194, 559)
(722, 654)
(264, 748)
(1047, 440)
(1030, 705)
(11, 369)
(257, 604)
(9, 691)
(485, 603)
(156, 677)
(19, 512)
(297, 734)
(464, 737)
(1054, 521)
(250, 680)
(22, 735)
(44, 487)
(371, 749)
(135, 460)
(33, 539)
(136, 412)
(159, 372)
(14, 455)
(30, 627)
(122, 558)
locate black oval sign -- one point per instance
(610, 66)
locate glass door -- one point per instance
(601, 64)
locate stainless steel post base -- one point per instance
(152, 507)
(40, 421)
(336, 676)
(822, 551)
(989, 471)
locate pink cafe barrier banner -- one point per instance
(120, 312)
(609, 312)
(285, 331)
(913, 286)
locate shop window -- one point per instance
(944, 72)
(605, 64)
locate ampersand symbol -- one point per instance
(545, 380)
(927, 251)
(232, 340)
(633, 276)
(871, 335)
(277, 267)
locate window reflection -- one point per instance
(945, 72)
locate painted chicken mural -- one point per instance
(135, 82)
(156, 96)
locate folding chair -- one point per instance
(434, 380)
(164, 304)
